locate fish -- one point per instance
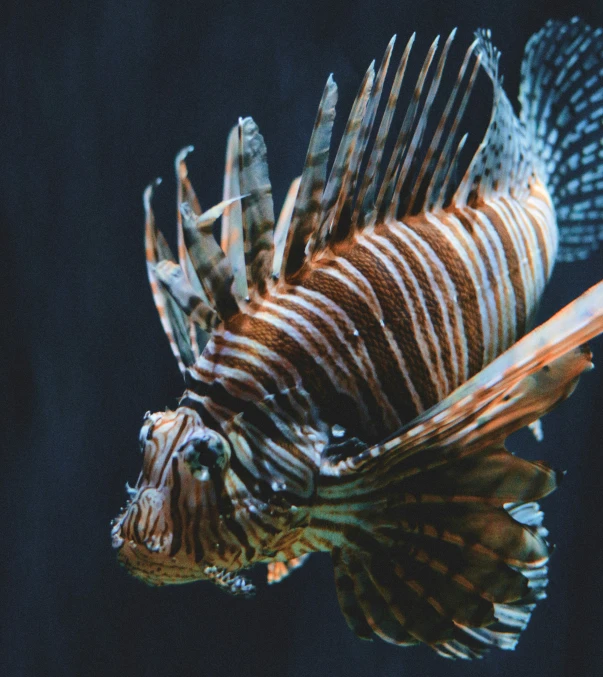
(353, 368)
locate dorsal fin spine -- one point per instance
(256, 204)
(389, 180)
(368, 126)
(420, 129)
(437, 136)
(336, 190)
(170, 317)
(434, 198)
(366, 194)
(232, 236)
(282, 226)
(441, 194)
(307, 203)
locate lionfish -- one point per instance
(352, 373)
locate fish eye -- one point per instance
(205, 453)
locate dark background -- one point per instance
(96, 99)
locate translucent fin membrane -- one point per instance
(364, 187)
(562, 107)
(447, 545)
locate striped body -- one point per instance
(353, 370)
(382, 328)
(371, 335)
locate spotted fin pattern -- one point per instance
(562, 108)
(503, 164)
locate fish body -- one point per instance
(352, 372)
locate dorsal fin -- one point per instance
(419, 173)
(307, 205)
(412, 152)
(434, 169)
(437, 188)
(185, 191)
(366, 195)
(503, 162)
(171, 276)
(258, 210)
(385, 196)
(282, 226)
(172, 318)
(210, 265)
(231, 238)
(339, 188)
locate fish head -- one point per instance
(160, 536)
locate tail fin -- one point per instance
(439, 538)
(561, 97)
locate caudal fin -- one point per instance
(561, 99)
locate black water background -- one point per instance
(95, 100)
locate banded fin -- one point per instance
(172, 278)
(183, 186)
(278, 571)
(447, 544)
(209, 281)
(366, 195)
(257, 207)
(210, 265)
(340, 186)
(194, 295)
(185, 191)
(406, 177)
(172, 318)
(282, 226)
(307, 204)
(561, 99)
(231, 236)
(418, 166)
(363, 189)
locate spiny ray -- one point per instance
(282, 226)
(366, 195)
(387, 186)
(232, 238)
(338, 189)
(307, 205)
(172, 319)
(172, 278)
(417, 138)
(258, 210)
(211, 266)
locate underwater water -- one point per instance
(96, 101)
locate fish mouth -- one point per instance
(152, 567)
